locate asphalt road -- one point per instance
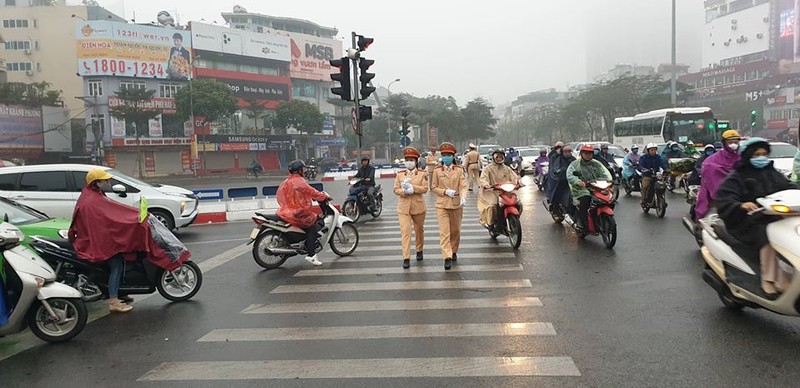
(560, 312)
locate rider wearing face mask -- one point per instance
(588, 169)
(557, 189)
(753, 177)
(409, 185)
(694, 178)
(556, 150)
(630, 162)
(715, 168)
(494, 174)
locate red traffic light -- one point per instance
(364, 42)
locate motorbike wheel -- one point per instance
(350, 210)
(181, 284)
(608, 230)
(263, 258)
(628, 189)
(661, 206)
(378, 209)
(514, 231)
(72, 313)
(616, 191)
(345, 240)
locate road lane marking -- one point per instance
(483, 236)
(379, 368)
(428, 232)
(334, 333)
(242, 240)
(392, 305)
(399, 286)
(351, 259)
(500, 245)
(399, 270)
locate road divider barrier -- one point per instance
(241, 205)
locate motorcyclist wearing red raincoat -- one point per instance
(104, 230)
(294, 198)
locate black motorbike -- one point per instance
(139, 277)
(656, 198)
(616, 177)
(632, 184)
(358, 202)
(311, 172)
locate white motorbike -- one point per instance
(733, 269)
(274, 240)
(54, 312)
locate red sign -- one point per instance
(149, 162)
(777, 100)
(201, 126)
(234, 147)
(778, 124)
(186, 160)
(111, 159)
(433, 136)
(163, 105)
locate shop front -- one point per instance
(234, 153)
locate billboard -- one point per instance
(310, 56)
(21, 129)
(239, 42)
(131, 50)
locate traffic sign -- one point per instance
(354, 117)
(405, 141)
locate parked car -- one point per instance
(615, 150)
(54, 189)
(327, 163)
(529, 156)
(32, 222)
(782, 154)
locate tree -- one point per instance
(300, 115)
(479, 123)
(132, 110)
(208, 98)
(256, 111)
(33, 94)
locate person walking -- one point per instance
(449, 184)
(410, 185)
(473, 164)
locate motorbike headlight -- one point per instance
(63, 233)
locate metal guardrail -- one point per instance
(242, 192)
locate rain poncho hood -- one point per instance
(102, 228)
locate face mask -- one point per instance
(567, 154)
(104, 186)
(597, 152)
(410, 164)
(447, 160)
(733, 146)
(709, 153)
(759, 162)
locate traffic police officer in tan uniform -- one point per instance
(431, 161)
(495, 173)
(409, 185)
(473, 164)
(450, 186)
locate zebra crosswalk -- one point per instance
(378, 310)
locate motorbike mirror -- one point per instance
(119, 189)
(576, 173)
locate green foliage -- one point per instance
(478, 120)
(33, 94)
(301, 115)
(208, 98)
(132, 107)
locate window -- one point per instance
(80, 181)
(95, 87)
(166, 90)
(19, 66)
(18, 45)
(15, 23)
(44, 181)
(132, 85)
(9, 181)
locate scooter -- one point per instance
(54, 311)
(507, 214)
(732, 268)
(139, 277)
(690, 220)
(601, 214)
(274, 240)
(616, 177)
(656, 193)
(311, 172)
(357, 202)
(632, 184)
(541, 179)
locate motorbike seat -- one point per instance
(59, 242)
(722, 232)
(271, 217)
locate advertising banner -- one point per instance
(256, 90)
(332, 142)
(21, 128)
(310, 56)
(154, 127)
(239, 42)
(117, 127)
(248, 143)
(164, 105)
(131, 50)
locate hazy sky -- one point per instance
(494, 49)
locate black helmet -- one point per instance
(499, 151)
(363, 158)
(296, 166)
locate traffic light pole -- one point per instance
(356, 95)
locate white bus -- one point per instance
(659, 126)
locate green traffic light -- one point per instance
(711, 126)
(753, 112)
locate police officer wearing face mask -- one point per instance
(450, 186)
(410, 185)
(495, 173)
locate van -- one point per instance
(54, 189)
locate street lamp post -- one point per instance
(389, 131)
(673, 78)
(192, 119)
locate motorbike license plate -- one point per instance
(254, 233)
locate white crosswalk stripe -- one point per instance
(354, 285)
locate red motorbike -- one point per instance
(601, 213)
(507, 214)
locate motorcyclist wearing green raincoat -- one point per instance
(585, 169)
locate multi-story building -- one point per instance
(39, 43)
(312, 47)
(623, 70)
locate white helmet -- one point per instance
(635, 147)
(651, 145)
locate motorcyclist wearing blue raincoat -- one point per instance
(557, 188)
(630, 162)
(650, 164)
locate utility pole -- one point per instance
(673, 80)
(356, 97)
